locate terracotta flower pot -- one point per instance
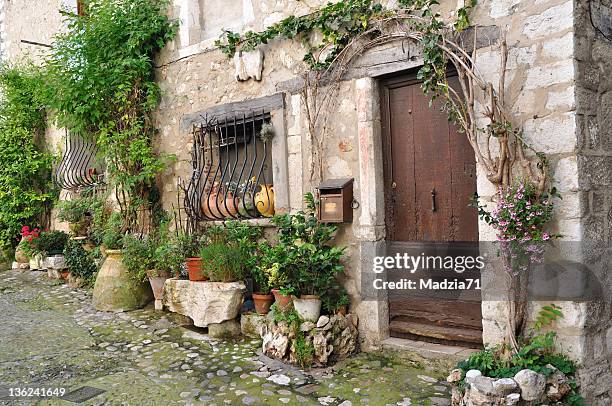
(308, 307)
(283, 302)
(262, 302)
(194, 268)
(342, 310)
(65, 275)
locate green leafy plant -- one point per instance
(100, 84)
(113, 232)
(26, 191)
(304, 258)
(75, 210)
(223, 261)
(138, 256)
(547, 315)
(80, 262)
(535, 352)
(52, 241)
(334, 298)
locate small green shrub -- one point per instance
(75, 210)
(113, 232)
(138, 256)
(223, 261)
(52, 241)
(80, 262)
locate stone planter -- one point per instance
(115, 290)
(36, 262)
(204, 302)
(308, 307)
(20, 255)
(333, 338)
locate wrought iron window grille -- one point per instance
(78, 168)
(231, 169)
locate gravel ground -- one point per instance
(51, 337)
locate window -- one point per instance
(231, 168)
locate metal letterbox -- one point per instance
(336, 198)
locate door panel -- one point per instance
(430, 177)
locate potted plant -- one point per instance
(271, 261)
(262, 297)
(119, 285)
(189, 248)
(52, 242)
(29, 247)
(76, 213)
(223, 261)
(167, 264)
(309, 262)
(80, 263)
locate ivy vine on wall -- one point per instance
(101, 84)
(25, 167)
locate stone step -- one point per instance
(435, 355)
(425, 329)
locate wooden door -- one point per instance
(430, 177)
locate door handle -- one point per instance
(433, 199)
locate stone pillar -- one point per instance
(370, 228)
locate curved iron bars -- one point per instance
(229, 158)
(76, 169)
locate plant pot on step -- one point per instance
(157, 279)
(262, 302)
(116, 290)
(308, 307)
(65, 275)
(194, 268)
(283, 302)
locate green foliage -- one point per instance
(547, 315)
(52, 241)
(80, 262)
(100, 83)
(223, 261)
(303, 262)
(304, 349)
(138, 256)
(25, 168)
(535, 352)
(334, 298)
(75, 210)
(336, 22)
(113, 232)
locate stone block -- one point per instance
(532, 384)
(559, 48)
(566, 175)
(55, 262)
(542, 76)
(556, 19)
(248, 65)
(204, 302)
(563, 100)
(251, 324)
(225, 329)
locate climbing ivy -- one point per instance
(25, 167)
(101, 84)
(339, 23)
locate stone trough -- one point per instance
(208, 304)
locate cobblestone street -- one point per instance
(52, 337)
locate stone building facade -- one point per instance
(558, 86)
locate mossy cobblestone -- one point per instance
(51, 336)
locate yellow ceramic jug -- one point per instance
(264, 200)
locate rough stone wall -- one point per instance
(29, 20)
(593, 62)
(540, 89)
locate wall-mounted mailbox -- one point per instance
(336, 198)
